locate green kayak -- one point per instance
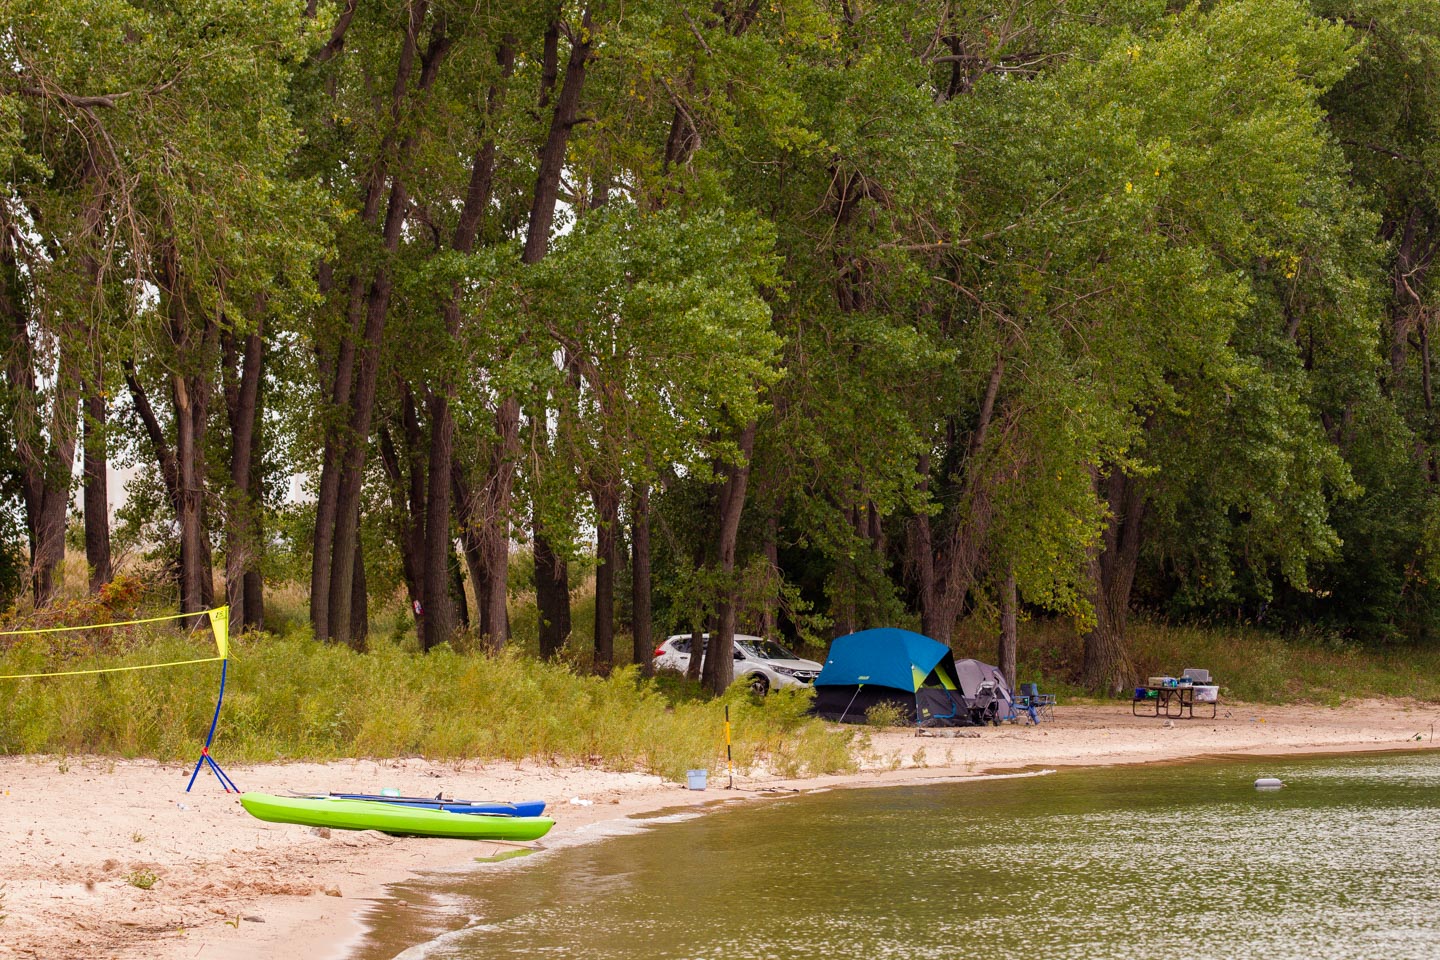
(392, 818)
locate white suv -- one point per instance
(762, 663)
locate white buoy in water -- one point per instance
(1269, 783)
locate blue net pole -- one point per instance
(205, 757)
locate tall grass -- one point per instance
(291, 698)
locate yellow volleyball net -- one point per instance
(219, 619)
(219, 626)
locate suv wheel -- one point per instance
(759, 685)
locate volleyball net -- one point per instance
(219, 620)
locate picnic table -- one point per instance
(1177, 702)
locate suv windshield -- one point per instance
(766, 650)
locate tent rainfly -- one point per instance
(887, 665)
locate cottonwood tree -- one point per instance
(146, 224)
(415, 202)
(65, 215)
(1208, 174)
(667, 338)
(1383, 115)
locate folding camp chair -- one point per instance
(1016, 707)
(1041, 705)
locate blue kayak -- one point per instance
(524, 808)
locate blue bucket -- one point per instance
(695, 779)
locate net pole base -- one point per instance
(208, 761)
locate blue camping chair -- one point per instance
(1016, 707)
(1022, 707)
(1041, 706)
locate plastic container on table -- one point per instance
(1207, 693)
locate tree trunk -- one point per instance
(254, 617)
(1413, 256)
(1009, 634)
(471, 546)
(921, 548)
(342, 473)
(359, 598)
(552, 583)
(644, 642)
(45, 462)
(712, 665)
(471, 550)
(695, 669)
(411, 491)
(944, 578)
(485, 526)
(352, 472)
(95, 458)
(189, 397)
(327, 497)
(192, 494)
(164, 455)
(242, 402)
(440, 612)
(49, 541)
(495, 529)
(607, 525)
(457, 588)
(1107, 668)
(407, 498)
(732, 504)
(96, 493)
(552, 154)
(552, 594)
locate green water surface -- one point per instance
(1185, 860)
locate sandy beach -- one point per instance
(109, 858)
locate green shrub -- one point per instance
(143, 879)
(885, 714)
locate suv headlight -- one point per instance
(785, 671)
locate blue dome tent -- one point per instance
(888, 665)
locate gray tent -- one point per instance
(985, 691)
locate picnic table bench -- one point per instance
(1175, 702)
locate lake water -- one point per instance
(1131, 862)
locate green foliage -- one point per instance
(143, 879)
(958, 262)
(883, 715)
(14, 565)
